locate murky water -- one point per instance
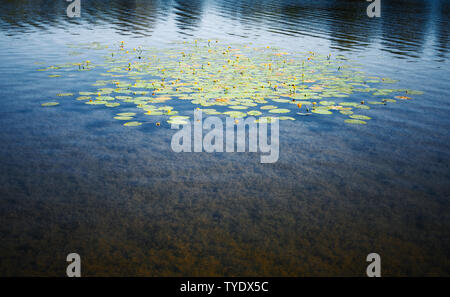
(72, 179)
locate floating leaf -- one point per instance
(266, 119)
(238, 107)
(403, 97)
(235, 114)
(254, 113)
(355, 122)
(360, 117)
(321, 111)
(123, 118)
(132, 124)
(326, 103)
(279, 110)
(48, 104)
(178, 120)
(268, 107)
(127, 114)
(281, 100)
(83, 98)
(413, 92)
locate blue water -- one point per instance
(72, 179)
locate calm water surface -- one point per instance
(73, 180)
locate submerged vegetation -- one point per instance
(238, 81)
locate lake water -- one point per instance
(73, 179)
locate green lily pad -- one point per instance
(127, 114)
(123, 118)
(235, 114)
(268, 107)
(132, 124)
(279, 110)
(266, 120)
(238, 107)
(321, 111)
(254, 113)
(360, 117)
(327, 103)
(83, 98)
(358, 122)
(48, 104)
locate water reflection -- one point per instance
(442, 27)
(405, 25)
(188, 15)
(403, 29)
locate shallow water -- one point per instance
(72, 179)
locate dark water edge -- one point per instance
(72, 181)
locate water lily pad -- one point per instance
(127, 114)
(210, 111)
(48, 104)
(96, 102)
(64, 94)
(254, 113)
(362, 106)
(268, 107)
(123, 118)
(358, 122)
(235, 114)
(327, 103)
(238, 107)
(132, 124)
(279, 110)
(281, 100)
(265, 119)
(360, 117)
(413, 92)
(321, 111)
(178, 120)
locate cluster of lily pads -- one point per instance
(236, 81)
